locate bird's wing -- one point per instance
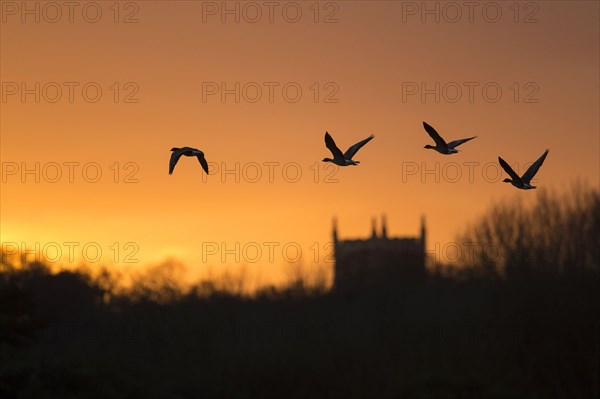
(533, 169)
(350, 152)
(175, 155)
(434, 135)
(456, 143)
(508, 169)
(337, 153)
(202, 161)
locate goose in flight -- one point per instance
(523, 181)
(344, 159)
(188, 152)
(440, 145)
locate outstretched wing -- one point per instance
(508, 169)
(456, 143)
(202, 161)
(434, 135)
(337, 153)
(175, 155)
(350, 152)
(533, 169)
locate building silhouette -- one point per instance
(378, 261)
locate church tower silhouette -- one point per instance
(378, 261)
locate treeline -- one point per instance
(521, 324)
(558, 233)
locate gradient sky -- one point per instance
(373, 53)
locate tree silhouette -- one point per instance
(557, 233)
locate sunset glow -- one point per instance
(89, 111)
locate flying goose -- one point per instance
(344, 159)
(440, 144)
(523, 181)
(188, 152)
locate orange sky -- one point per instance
(371, 55)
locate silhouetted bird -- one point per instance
(188, 152)
(523, 181)
(440, 144)
(344, 159)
